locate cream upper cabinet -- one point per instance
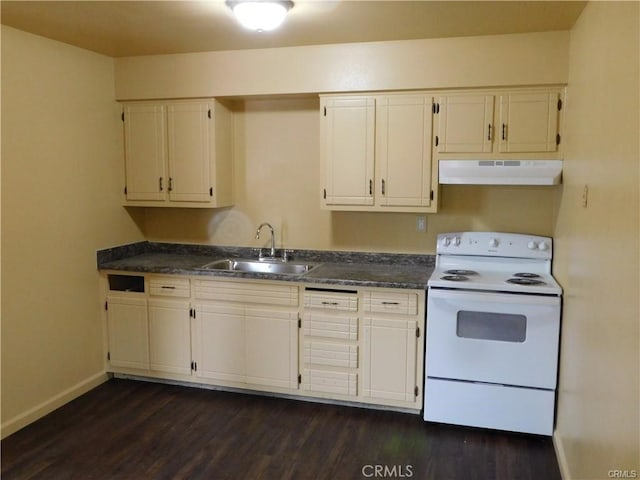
(347, 150)
(512, 124)
(376, 153)
(145, 136)
(177, 153)
(529, 122)
(403, 150)
(465, 123)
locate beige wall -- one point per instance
(492, 60)
(61, 167)
(277, 181)
(597, 248)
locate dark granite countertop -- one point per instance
(336, 268)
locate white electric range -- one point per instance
(493, 324)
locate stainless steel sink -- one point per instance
(260, 266)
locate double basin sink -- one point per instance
(267, 265)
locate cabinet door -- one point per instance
(170, 336)
(347, 150)
(128, 332)
(465, 123)
(403, 153)
(528, 122)
(218, 342)
(189, 151)
(389, 359)
(145, 152)
(272, 348)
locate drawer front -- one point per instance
(342, 383)
(169, 287)
(331, 354)
(330, 326)
(266, 294)
(347, 302)
(391, 302)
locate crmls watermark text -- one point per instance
(622, 473)
(387, 471)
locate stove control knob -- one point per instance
(446, 241)
(543, 246)
(532, 245)
(493, 243)
(456, 241)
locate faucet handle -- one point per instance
(259, 252)
(285, 254)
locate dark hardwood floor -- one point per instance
(127, 429)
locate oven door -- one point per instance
(509, 339)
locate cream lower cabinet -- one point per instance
(127, 330)
(329, 338)
(169, 325)
(363, 345)
(246, 333)
(393, 345)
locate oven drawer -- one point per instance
(489, 406)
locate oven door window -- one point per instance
(501, 327)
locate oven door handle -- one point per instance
(493, 297)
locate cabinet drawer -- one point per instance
(347, 302)
(342, 383)
(331, 354)
(391, 302)
(169, 286)
(263, 293)
(330, 326)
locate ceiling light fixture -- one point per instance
(260, 15)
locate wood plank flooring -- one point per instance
(133, 430)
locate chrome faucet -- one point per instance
(273, 238)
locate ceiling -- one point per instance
(126, 28)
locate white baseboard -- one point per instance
(561, 456)
(48, 406)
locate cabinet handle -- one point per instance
(504, 131)
(390, 303)
(168, 287)
(489, 132)
(370, 187)
(383, 186)
(330, 303)
(170, 184)
(160, 183)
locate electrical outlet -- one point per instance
(421, 223)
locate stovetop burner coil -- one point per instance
(526, 275)
(455, 278)
(525, 281)
(458, 271)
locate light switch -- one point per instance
(585, 196)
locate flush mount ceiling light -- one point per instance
(260, 15)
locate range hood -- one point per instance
(500, 172)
